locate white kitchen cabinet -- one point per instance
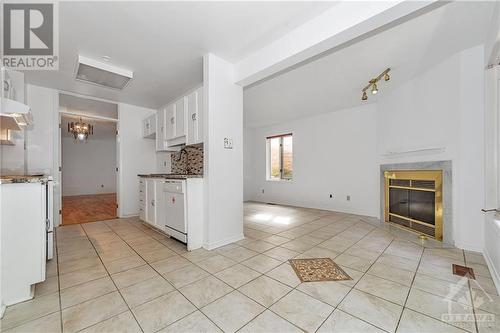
(180, 115)
(194, 117)
(160, 129)
(160, 209)
(149, 127)
(150, 201)
(170, 121)
(23, 240)
(142, 199)
(159, 200)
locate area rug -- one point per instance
(318, 269)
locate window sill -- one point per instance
(280, 180)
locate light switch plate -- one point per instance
(228, 143)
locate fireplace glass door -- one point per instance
(413, 200)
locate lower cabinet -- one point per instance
(159, 207)
(150, 201)
(142, 199)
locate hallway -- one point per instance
(88, 208)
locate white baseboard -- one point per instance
(128, 215)
(495, 274)
(2, 310)
(223, 242)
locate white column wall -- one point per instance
(223, 112)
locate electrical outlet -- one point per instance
(228, 143)
(331, 196)
(348, 198)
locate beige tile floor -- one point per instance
(121, 276)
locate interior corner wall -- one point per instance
(135, 155)
(442, 108)
(333, 153)
(223, 110)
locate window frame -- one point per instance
(282, 176)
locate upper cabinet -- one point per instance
(194, 117)
(149, 127)
(180, 123)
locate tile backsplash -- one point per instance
(189, 160)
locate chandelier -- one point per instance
(80, 130)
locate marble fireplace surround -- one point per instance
(445, 166)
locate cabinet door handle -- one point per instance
(193, 116)
(152, 203)
(172, 120)
(147, 125)
(162, 129)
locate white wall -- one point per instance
(136, 156)
(40, 136)
(333, 153)
(442, 108)
(89, 167)
(223, 168)
(12, 157)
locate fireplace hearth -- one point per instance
(413, 200)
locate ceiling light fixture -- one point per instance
(372, 84)
(80, 130)
(102, 74)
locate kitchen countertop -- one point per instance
(169, 176)
(18, 179)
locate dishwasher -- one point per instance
(176, 225)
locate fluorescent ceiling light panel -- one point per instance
(102, 74)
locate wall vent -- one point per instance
(102, 74)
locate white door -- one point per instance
(160, 129)
(159, 204)
(199, 115)
(57, 202)
(151, 201)
(179, 117)
(192, 110)
(492, 169)
(170, 121)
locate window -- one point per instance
(279, 157)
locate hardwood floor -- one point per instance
(88, 208)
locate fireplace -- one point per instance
(413, 200)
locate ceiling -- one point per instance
(334, 81)
(89, 107)
(163, 42)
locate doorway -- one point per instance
(88, 153)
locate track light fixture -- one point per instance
(372, 84)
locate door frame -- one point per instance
(57, 165)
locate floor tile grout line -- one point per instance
(354, 285)
(176, 289)
(117, 289)
(471, 298)
(411, 285)
(58, 277)
(257, 239)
